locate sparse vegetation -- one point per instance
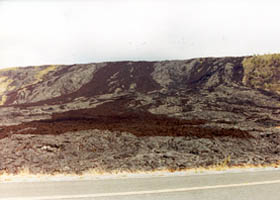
(43, 72)
(5, 86)
(25, 173)
(8, 69)
(3, 100)
(262, 71)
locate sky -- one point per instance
(39, 32)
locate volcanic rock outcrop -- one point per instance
(209, 102)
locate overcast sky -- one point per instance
(37, 32)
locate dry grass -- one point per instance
(3, 100)
(39, 76)
(4, 83)
(25, 175)
(8, 69)
(262, 71)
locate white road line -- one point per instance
(142, 192)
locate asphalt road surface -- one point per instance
(246, 185)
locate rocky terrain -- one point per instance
(140, 115)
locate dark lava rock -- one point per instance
(149, 115)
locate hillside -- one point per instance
(262, 72)
(214, 103)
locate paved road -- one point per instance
(250, 185)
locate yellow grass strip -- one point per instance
(25, 175)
